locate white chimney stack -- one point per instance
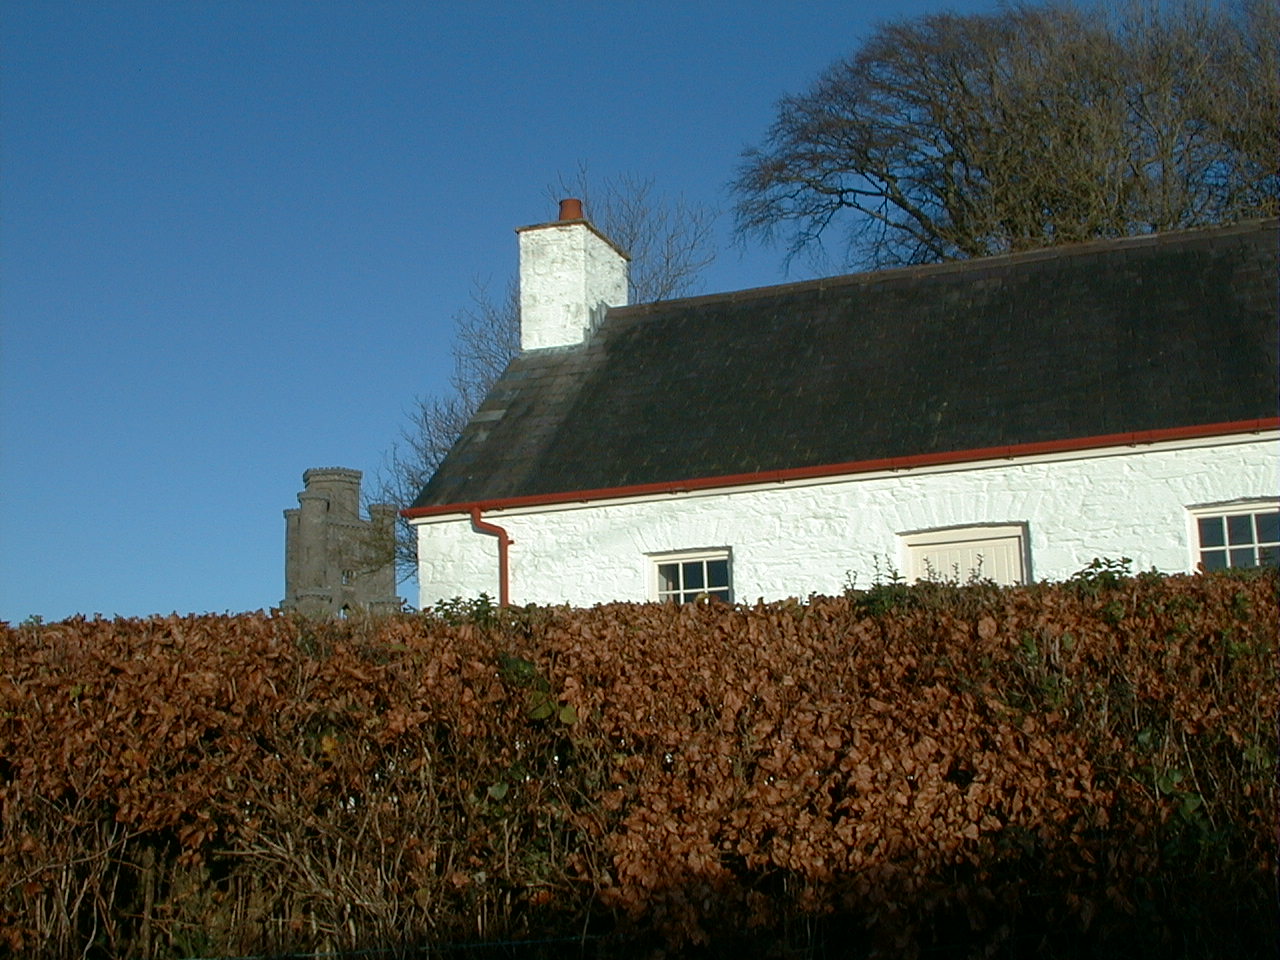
(570, 273)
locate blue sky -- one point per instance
(235, 236)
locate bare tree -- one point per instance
(670, 241)
(486, 337)
(959, 136)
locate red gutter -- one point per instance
(840, 469)
(504, 543)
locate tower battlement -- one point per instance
(336, 561)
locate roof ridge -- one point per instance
(912, 271)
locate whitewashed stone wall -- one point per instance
(569, 274)
(795, 539)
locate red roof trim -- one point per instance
(858, 466)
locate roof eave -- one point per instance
(1007, 452)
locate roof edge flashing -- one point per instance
(852, 468)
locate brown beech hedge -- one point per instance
(1085, 769)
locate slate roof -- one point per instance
(1119, 336)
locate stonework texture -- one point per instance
(336, 562)
(798, 538)
(569, 275)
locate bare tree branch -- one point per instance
(670, 241)
(957, 136)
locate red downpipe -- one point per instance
(504, 543)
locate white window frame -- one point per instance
(704, 555)
(1231, 508)
(970, 533)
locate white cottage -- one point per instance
(1018, 416)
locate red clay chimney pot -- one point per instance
(571, 209)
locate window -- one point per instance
(959, 553)
(683, 578)
(1245, 535)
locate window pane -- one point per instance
(1214, 559)
(1268, 527)
(1240, 529)
(1269, 556)
(687, 580)
(1211, 532)
(693, 579)
(1243, 557)
(718, 573)
(668, 577)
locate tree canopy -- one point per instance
(953, 136)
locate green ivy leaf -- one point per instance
(1168, 782)
(1191, 802)
(541, 707)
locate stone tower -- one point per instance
(337, 562)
